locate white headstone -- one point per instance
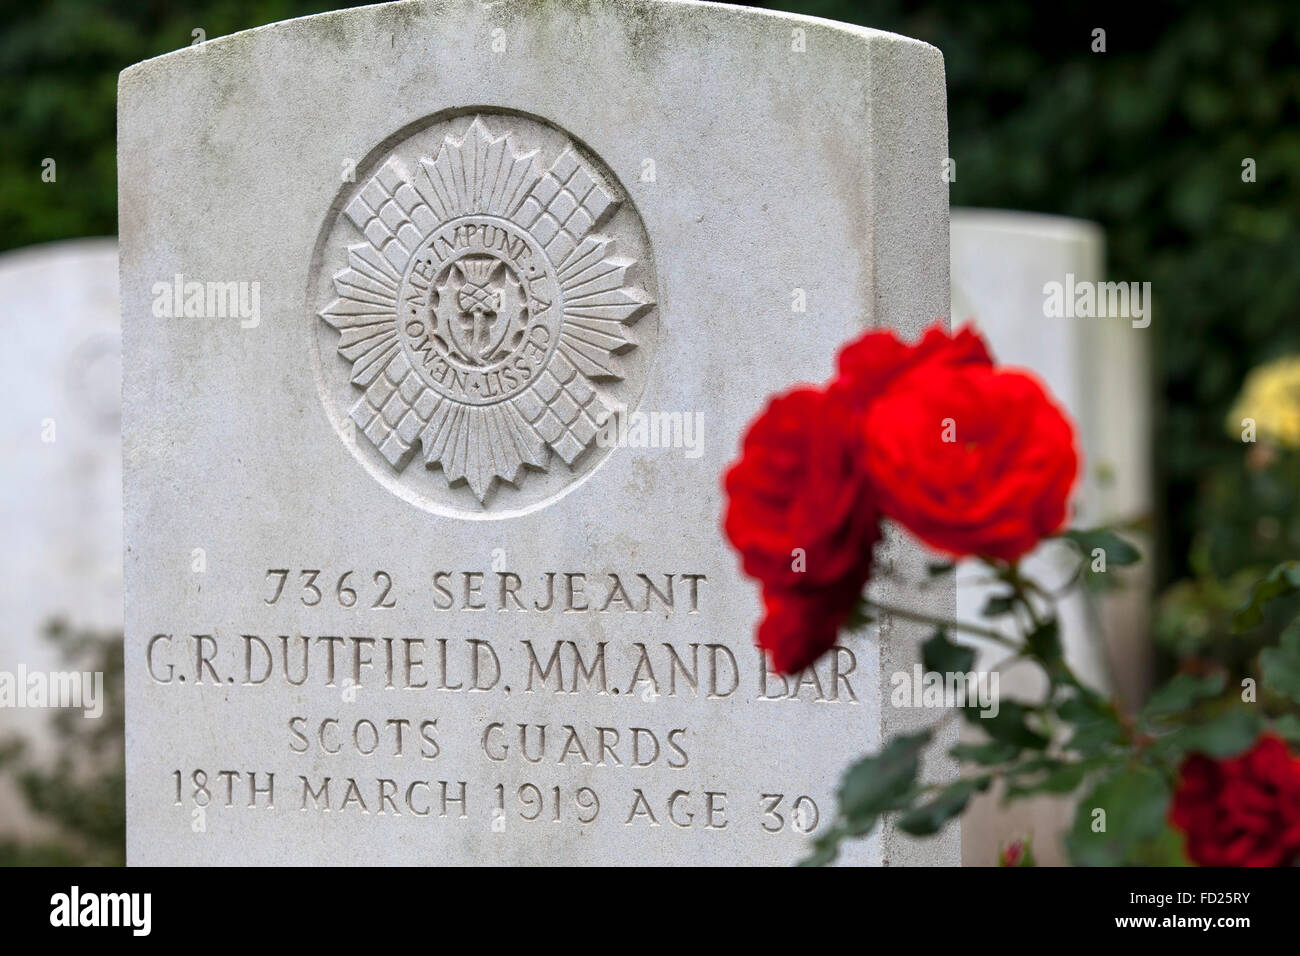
(62, 484)
(1096, 367)
(460, 236)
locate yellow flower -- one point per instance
(1271, 398)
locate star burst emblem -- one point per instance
(483, 309)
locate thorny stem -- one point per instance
(994, 772)
(1021, 587)
(1099, 630)
(908, 615)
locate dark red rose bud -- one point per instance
(1240, 812)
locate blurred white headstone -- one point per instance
(61, 490)
(1096, 367)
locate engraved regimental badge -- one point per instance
(483, 308)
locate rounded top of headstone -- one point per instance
(646, 18)
(1039, 225)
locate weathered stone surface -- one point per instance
(625, 203)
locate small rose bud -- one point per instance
(1016, 853)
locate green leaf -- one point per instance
(1288, 727)
(1035, 764)
(1168, 848)
(859, 617)
(938, 569)
(1060, 777)
(882, 782)
(985, 754)
(1064, 778)
(1044, 642)
(1094, 737)
(1283, 579)
(1225, 736)
(873, 785)
(1084, 704)
(825, 849)
(930, 817)
(998, 604)
(941, 656)
(1096, 727)
(1280, 666)
(1119, 553)
(1134, 802)
(1008, 725)
(1180, 694)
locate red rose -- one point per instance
(799, 626)
(798, 510)
(970, 459)
(1240, 812)
(801, 518)
(872, 362)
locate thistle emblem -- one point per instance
(479, 310)
(482, 308)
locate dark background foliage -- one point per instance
(1147, 139)
(80, 797)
